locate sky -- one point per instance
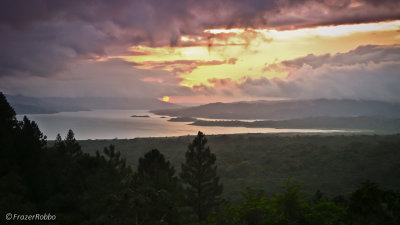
(187, 51)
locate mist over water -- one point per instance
(109, 124)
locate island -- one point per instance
(140, 116)
(182, 119)
(341, 123)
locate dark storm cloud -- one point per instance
(46, 49)
(188, 16)
(21, 14)
(44, 37)
(185, 15)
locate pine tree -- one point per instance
(199, 173)
(8, 120)
(11, 182)
(59, 144)
(155, 178)
(153, 170)
(114, 159)
(71, 145)
(9, 127)
(29, 151)
(31, 139)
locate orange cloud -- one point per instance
(152, 79)
(182, 66)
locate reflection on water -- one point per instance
(109, 124)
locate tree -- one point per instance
(8, 120)
(11, 181)
(371, 205)
(291, 204)
(153, 170)
(71, 145)
(155, 180)
(9, 127)
(255, 209)
(59, 144)
(80, 188)
(199, 174)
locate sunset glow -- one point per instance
(206, 50)
(166, 98)
(237, 53)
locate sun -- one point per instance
(166, 98)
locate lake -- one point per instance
(110, 124)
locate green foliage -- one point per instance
(155, 181)
(199, 175)
(290, 207)
(326, 213)
(153, 170)
(61, 180)
(372, 205)
(333, 163)
(101, 188)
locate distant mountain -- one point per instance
(347, 123)
(288, 109)
(31, 105)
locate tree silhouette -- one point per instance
(9, 127)
(84, 189)
(11, 181)
(199, 174)
(114, 158)
(59, 144)
(155, 179)
(7, 115)
(71, 145)
(153, 170)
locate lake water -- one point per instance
(109, 124)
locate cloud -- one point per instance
(112, 78)
(368, 72)
(48, 47)
(311, 13)
(361, 55)
(21, 14)
(42, 37)
(187, 16)
(183, 66)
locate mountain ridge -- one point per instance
(287, 109)
(45, 105)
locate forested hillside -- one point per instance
(62, 179)
(335, 164)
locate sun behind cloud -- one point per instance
(166, 99)
(235, 53)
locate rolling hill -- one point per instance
(288, 109)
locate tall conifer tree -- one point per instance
(156, 180)
(199, 174)
(71, 145)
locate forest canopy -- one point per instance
(102, 188)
